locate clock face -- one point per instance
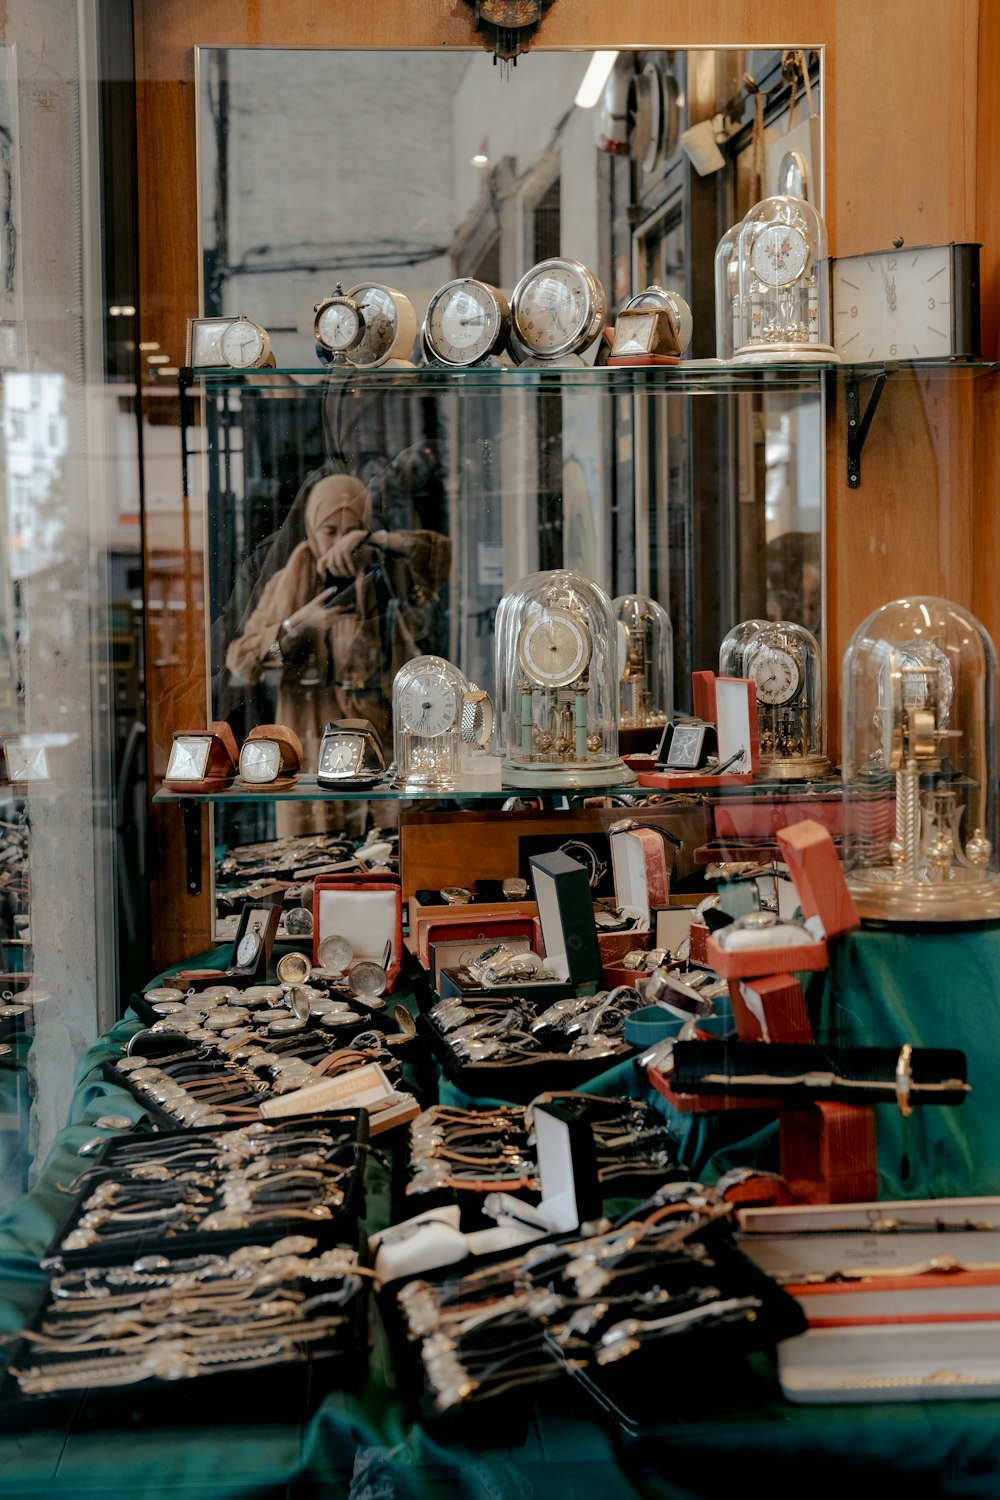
(260, 760)
(428, 704)
(188, 758)
(248, 948)
(558, 308)
(339, 755)
(390, 324)
(242, 344)
(554, 647)
(465, 321)
(685, 746)
(338, 326)
(775, 674)
(898, 304)
(779, 255)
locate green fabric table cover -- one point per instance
(364, 1446)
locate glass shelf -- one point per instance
(689, 378)
(306, 789)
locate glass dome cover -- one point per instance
(780, 309)
(557, 669)
(783, 661)
(646, 687)
(729, 334)
(919, 750)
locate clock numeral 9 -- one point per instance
(854, 312)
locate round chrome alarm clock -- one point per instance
(466, 321)
(339, 323)
(558, 310)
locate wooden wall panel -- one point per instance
(906, 155)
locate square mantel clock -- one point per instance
(907, 302)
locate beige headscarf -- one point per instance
(328, 498)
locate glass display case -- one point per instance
(920, 764)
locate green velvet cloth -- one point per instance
(933, 989)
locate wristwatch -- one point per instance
(477, 717)
(350, 755)
(456, 895)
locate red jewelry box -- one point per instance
(811, 857)
(366, 911)
(489, 919)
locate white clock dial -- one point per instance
(338, 326)
(242, 344)
(260, 760)
(248, 947)
(466, 321)
(775, 674)
(428, 704)
(554, 647)
(558, 308)
(896, 305)
(780, 254)
(188, 759)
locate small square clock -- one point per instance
(686, 745)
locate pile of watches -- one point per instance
(215, 1057)
(665, 1277)
(287, 868)
(492, 1149)
(516, 1030)
(209, 1182)
(262, 1306)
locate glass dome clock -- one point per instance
(436, 712)
(646, 639)
(776, 272)
(557, 671)
(920, 764)
(783, 662)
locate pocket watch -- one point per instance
(557, 310)
(245, 345)
(554, 647)
(907, 303)
(429, 701)
(390, 325)
(466, 321)
(335, 953)
(339, 323)
(249, 946)
(350, 755)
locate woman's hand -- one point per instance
(314, 615)
(348, 555)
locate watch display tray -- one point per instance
(517, 1082)
(340, 1138)
(625, 1169)
(280, 1382)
